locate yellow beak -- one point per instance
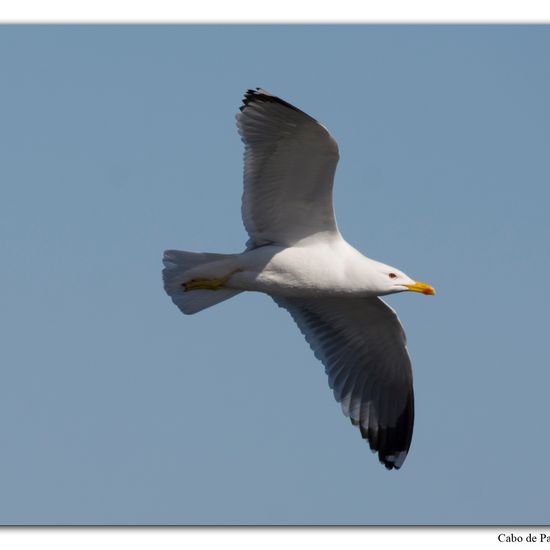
(422, 288)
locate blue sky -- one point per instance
(120, 142)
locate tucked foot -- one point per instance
(207, 284)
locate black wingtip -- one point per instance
(391, 443)
(260, 95)
(250, 96)
(396, 442)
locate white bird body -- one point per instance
(295, 271)
(297, 256)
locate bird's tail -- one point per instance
(177, 271)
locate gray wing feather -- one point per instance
(289, 166)
(363, 347)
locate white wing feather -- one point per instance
(290, 160)
(363, 347)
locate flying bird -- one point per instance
(297, 255)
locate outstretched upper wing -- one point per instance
(363, 347)
(289, 166)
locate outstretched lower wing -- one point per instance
(363, 347)
(289, 166)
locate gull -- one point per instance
(296, 255)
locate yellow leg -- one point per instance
(208, 284)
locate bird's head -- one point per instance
(392, 280)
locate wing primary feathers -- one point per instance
(374, 388)
(259, 94)
(289, 165)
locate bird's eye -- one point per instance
(393, 276)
